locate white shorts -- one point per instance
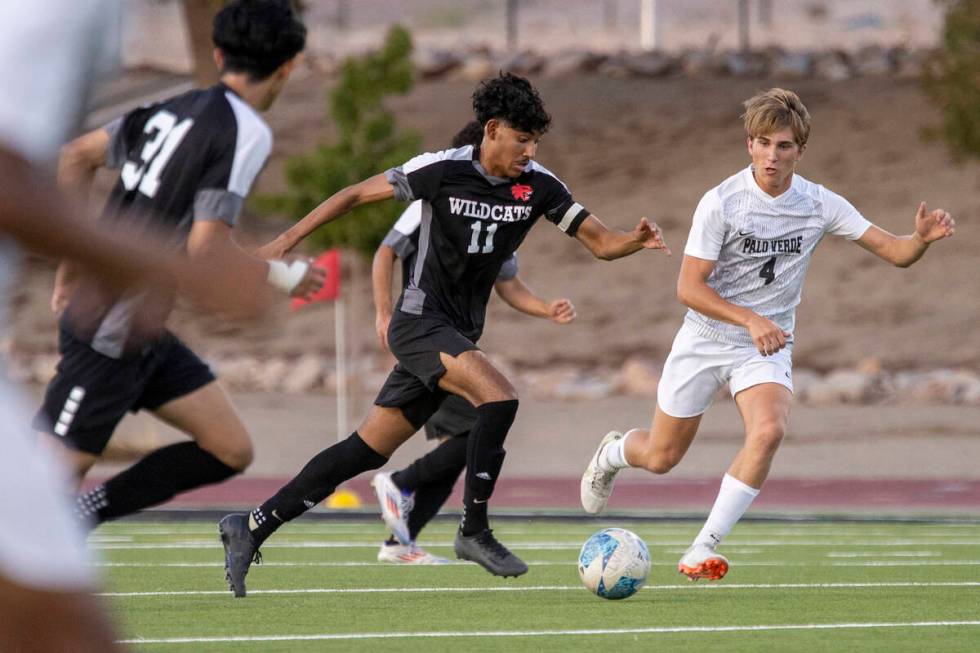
(41, 544)
(698, 367)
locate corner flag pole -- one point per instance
(340, 348)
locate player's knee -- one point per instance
(662, 461)
(766, 438)
(237, 454)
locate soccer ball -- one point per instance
(614, 563)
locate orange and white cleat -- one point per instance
(408, 554)
(702, 561)
(395, 506)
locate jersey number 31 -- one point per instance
(155, 153)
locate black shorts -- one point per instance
(413, 386)
(455, 416)
(90, 393)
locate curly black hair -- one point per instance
(512, 99)
(471, 134)
(258, 36)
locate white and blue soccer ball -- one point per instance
(614, 563)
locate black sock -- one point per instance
(432, 478)
(317, 480)
(484, 458)
(446, 460)
(154, 479)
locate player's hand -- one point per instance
(649, 235)
(768, 337)
(381, 321)
(311, 282)
(561, 311)
(934, 225)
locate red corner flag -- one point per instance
(329, 261)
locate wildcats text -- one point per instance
(484, 211)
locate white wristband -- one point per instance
(286, 276)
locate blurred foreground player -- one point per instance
(742, 277)
(48, 59)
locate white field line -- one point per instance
(885, 554)
(653, 544)
(548, 563)
(553, 588)
(644, 530)
(553, 633)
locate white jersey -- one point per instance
(49, 52)
(762, 246)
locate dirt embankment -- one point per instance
(629, 148)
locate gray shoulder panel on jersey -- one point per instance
(218, 204)
(116, 154)
(399, 181)
(252, 147)
(398, 176)
(509, 269)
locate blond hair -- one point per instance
(775, 109)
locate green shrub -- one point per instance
(953, 78)
(368, 141)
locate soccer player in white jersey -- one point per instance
(48, 58)
(742, 274)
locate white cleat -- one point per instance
(702, 561)
(597, 484)
(395, 506)
(408, 554)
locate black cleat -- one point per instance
(484, 549)
(240, 551)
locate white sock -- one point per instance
(613, 456)
(734, 498)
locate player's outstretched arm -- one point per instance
(521, 298)
(373, 189)
(296, 276)
(694, 292)
(903, 251)
(381, 275)
(609, 244)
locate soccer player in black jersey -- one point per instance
(410, 497)
(187, 163)
(480, 202)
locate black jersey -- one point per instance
(403, 238)
(471, 224)
(191, 157)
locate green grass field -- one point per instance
(793, 586)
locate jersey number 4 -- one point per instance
(477, 228)
(167, 134)
(768, 271)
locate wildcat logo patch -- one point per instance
(521, 192)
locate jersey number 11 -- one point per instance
(474, 247)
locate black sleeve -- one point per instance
(561, 209)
